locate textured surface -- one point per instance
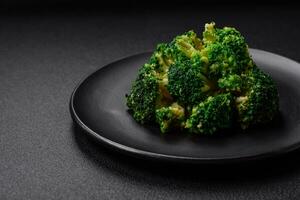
(42, 154)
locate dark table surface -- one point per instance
(43, 55)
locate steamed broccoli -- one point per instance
(188, 44)
(170, 117)
(212, 114)
(162, 58)
(144, 94)
(203, 85)
(187, 84)
(226, 52)
(260, 101)
(149, 91)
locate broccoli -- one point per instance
(162, 58)
(149, 91)
(188, 44)
(203, 85)
(143, 95)
(260, 101)
(212, 114)
(170, 117)
(226, 51)
(187, 84)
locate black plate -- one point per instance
(98, 106)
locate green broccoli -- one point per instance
(170, 117)
(260, 101)
(149, 91)
(162, 58)
(143, 95)
(212, 114)
(203, 85)
(226, 52)
(187, 84)
(188, 44)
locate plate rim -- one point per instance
(139, 153)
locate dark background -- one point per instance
(47, 47)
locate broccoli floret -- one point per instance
(170, 117)
(143, 95)
(149, 91)
(226, 52)
(260, 101)
(186, 45)
(218, 60)
(186, 80)
(232, 39)
(187, 84)
(162, 58)
(211, 115)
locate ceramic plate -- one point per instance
(98, 105)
